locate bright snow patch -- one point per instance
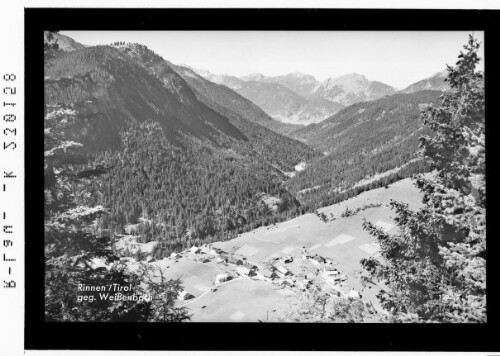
(300, 167)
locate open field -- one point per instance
(342, 241)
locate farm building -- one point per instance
(243, 270)
(319, 258)
(304, 284)
(288, 282)
(183, 295)
(250, 266)
(330, 270)
(269, 266)
(194, 250)
(205, 249)
(353, 294)
(221, 278)
(235, 261)
(337, 277)
(284, 271)
(219, 251)
(270, 274)
(212, 251)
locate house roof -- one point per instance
(283, 270)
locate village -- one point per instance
(299, 270)
(262, 271)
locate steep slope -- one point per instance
(110, 91)
(360, 141)
(434, 82)
(285, 105)
(350, 89)
(281, 152)
(176, 170)
(65, 43)
(231, 100)
(278, 101)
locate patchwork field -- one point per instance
(250, 299)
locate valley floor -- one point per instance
(341, 242)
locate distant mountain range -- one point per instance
(223, 97)
(350, 89)
(298, 98)
(276, 96)
(297, 82)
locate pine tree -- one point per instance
(435, 266)
(77, 252)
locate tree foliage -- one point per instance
(436, 265)
(389, 128)
(190, 194)
(77, 252)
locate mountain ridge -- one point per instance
(351, 88)
(433, 82)
(112, 90)
(277, 100)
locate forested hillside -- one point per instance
(144, 159)
(189, 194)
(222, 95)
(109, 90)
(434, 265)
(178, 167)
(282, 152)
(360, 141)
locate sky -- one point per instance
(395, 58)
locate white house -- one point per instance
(194, 250)
(242, 270)
(353, 294)
(221, 278)
(283, 270)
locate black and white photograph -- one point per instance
(264, 176)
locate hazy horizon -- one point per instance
(396, 58)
